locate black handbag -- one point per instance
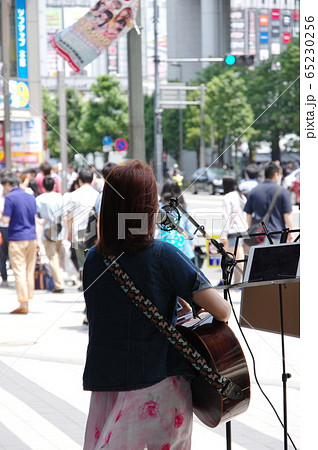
(52, 231)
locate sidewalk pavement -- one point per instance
(43, 406)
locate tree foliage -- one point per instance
(273, 93)
(105, 114)
(236, 96)
(228, 107)
(74, 110)
(149, 126)
(50, 114)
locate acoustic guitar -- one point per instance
(216, 342)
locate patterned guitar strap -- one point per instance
(222, 384)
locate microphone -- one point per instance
(167, 221)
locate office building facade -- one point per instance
(263, 27)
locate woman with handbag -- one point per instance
(141, 395)
(233, 220)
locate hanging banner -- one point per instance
(105, 22)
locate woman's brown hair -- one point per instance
(130, 189)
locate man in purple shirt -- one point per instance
(19, 212)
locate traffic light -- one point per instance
(239, 60)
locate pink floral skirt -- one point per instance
(155, 418)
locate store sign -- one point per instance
(275, 48)
(275, 14)
(263, 37)
(286, 38)
(286, 20)
(21, 38)
(238, 31)
(296, 15)
(275, 31)
(263, 20)
(19, 94)
(252, 32)
(26, 142)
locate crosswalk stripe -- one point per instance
(31, 427)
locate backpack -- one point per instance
(90, 236)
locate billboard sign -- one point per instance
(21, 34)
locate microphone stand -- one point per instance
(228, 262)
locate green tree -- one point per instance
(149, 126)
(74, 110)
(170, 131)
(105, 114)
(193, 125)
(228, 108)
(50, 114)
(273, 93)
(75, 105)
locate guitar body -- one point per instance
(216, 342)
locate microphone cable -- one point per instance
(254, 369)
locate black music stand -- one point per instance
(274, 265)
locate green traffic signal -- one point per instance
(238, 60)
(230, 60)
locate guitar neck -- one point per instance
(189, 321)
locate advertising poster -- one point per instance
(80, 43)
(26, 143)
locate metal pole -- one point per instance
(63, 128)
(5, 25)
(157, 122)
(202, 141)
(136, 100)
(180, 123)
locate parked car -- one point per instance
(209, 179)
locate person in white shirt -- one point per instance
(233, 220)
(50, 211)
(78, 208)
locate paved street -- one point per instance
(42, 403)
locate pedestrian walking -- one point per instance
(171, 189)
(233, 220)
(71, 177)
(78, 207)
(260, 198)
(250, 181)
(50, 212)
(19, 213)
(45, 170)
(105, 171)
(141, 395)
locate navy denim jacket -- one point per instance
(125, 351)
